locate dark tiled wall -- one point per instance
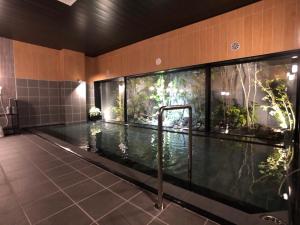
(44, 102)
(7, 76)
(90, 96)
(73, 102)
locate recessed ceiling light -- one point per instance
(68, 2)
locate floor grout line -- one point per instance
(53, 214)
(101, 184)
(105, 188)
(120, 205)
(65, 192)
(10, 186)
(156, 217)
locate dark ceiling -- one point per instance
(99, 26)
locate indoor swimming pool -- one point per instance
(244, 175)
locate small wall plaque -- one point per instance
(235, 46)
(158, 61)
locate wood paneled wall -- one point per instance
(41, 63)
(72, 65)
(265, 27)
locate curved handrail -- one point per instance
(161, 110)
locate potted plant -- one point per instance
(94, 113)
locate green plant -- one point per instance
(276, 164)
(94, 112)
(119, 108)
(234, 115)
(237, 116)
(279, 104)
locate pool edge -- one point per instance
(210, 208)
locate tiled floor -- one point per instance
(45, 185)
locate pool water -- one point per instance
(237, 173)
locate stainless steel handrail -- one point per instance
(161, 110)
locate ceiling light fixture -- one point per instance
(68, 2)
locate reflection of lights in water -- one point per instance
(225, 93)
(123, 148)
(291, 76)
(294, 68)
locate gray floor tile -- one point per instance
(49, 164)
(8, 203)
(3, 179)
(92, 171)
(69, 216)
(107, 179)
(59, 171)
(36, 192)
(29, 172)
(176, 215)
(79, 164)
(46, 207)
(26, 184)
(125, 189)
(16, 166)
(69, 179)
(147, 200)
(127, 214)
(156, 222)
(100, 204)
(13, 217)
(5, 190)
(70, 158)
(83, 190)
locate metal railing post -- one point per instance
(159, 203)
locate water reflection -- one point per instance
(247, 174)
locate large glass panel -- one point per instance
(254, 99)
(146, 94)
(112, 99)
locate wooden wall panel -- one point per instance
(265, 27)
(72, 65)
(40, 63)
(36, 62)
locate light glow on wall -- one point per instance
(107, 114)
(121, 88)
(81, 89)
